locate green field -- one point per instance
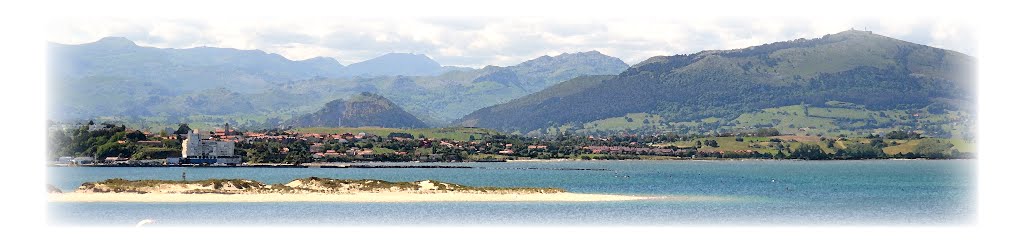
(832, 120)
(382, 150)
(852, 120)
(909, 145)
(762, 144)
(629, 121)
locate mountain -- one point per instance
(440, 99)
(855, 67)
(364, 109)
(181, 69)
(395, 64)
(116, 77)
(546, 70)
(455, 94)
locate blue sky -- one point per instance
(502, 41)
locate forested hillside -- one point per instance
(857, 67)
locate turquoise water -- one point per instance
(874, 192)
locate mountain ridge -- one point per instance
(852, 66)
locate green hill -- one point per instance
(860, 68)
(365, 109)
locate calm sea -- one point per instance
(873, 192)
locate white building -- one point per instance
(196, 147)
(97, 127)
(82, 160)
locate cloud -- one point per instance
(502, 41)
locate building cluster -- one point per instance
(631, 150)
(217, 148)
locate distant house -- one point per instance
(82, 160)
(316, 147)
(65, 160)
(449, 145)
(114, 159)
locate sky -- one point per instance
(501, 41)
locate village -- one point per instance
(227, 147)
(114, 145)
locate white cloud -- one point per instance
(467, 41)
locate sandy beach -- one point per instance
(392, 197)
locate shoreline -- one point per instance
(385, 197)
(727, 159)
(454, 165)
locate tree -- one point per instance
(878, 142)
(183, 129)
(765, 132)
(135, 136)
(808, 152)
(857, 150)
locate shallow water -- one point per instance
(874, 192)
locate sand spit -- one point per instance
(314, 189)
(354, 197)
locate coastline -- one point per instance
(455, 165)
(725, 159)
(384, 197)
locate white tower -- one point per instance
(192, 146)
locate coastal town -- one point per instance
(117, 145)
